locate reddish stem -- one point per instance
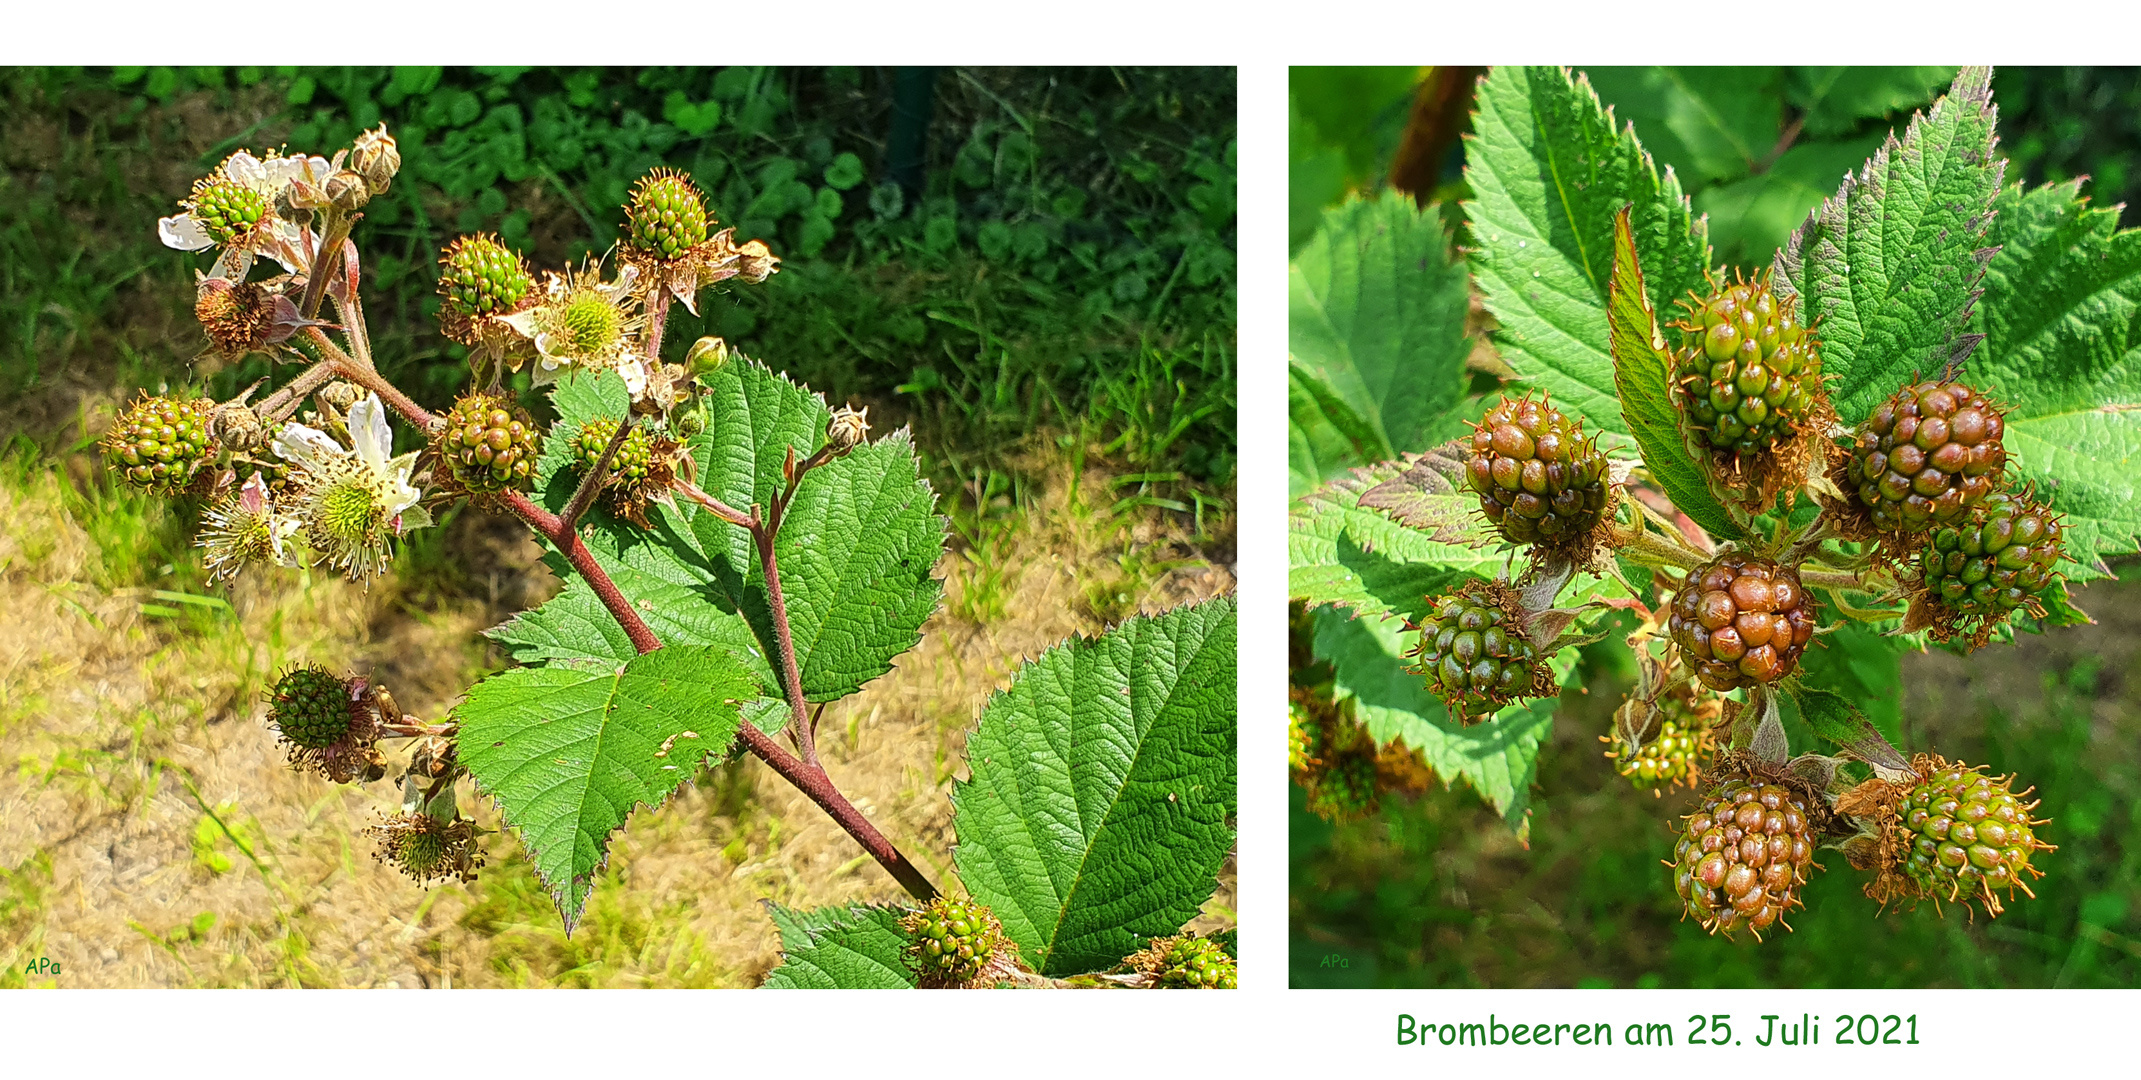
(799, 718)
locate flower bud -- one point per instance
(846, 430)
(375, 158)
(348, 191)
(235, 425)
(706, 356)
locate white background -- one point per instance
(1264, 1029)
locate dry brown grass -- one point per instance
(143, 766)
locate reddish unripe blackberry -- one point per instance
(1538, 479)
(489, 444)
(1998, 558)
(1747, 373)
(1741, 620)
(1477, 655)
(1966, 834)
(1742, 856)
(1926, 455)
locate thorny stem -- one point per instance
(721, 509)
(591, 481)
(808, 776)
(799, 720)
(1648, 549)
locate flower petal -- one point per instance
(183, 231)
(369, 430)
(308, 446)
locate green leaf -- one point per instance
(1641, 367)
(1864, 665)
(1498, 758)
(1317, 450)
(1751, 218)
(1376, 325)
(1834, 100)
(1549, 173)
(569, 751)
(1358, 558)
(858, 947)
(1102, 798)
(856, 553)
(1719, 122)
(1835, 718)
(1889, 266)
(2060, 346)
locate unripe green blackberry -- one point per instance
(954, 942)
(1538, 479)
(1747, 374)
(1304, 737)
(632, 461)
(666, 215)
(1680, 745)
(310, 708)
(1966, 834)
(1476, 653)
(228, 210)
(490, 444)
(1925, 456)
(1998, 558)
(159, 443)
(1195, 963)
(1742, 620)
(479, 276)
(1742, 856)
(1343, 788)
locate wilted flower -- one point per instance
(428, 849)
(241, 317)
(584, 322)
(353, 499)
(246, 528)
(239, 208)
(376, 158)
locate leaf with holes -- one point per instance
(569, 750)
(1102, 798)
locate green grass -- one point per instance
(1062, 259)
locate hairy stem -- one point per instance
(338, 224)
(591, 481)
(348, 367)
(792, 677)
(808, 776)
(1649, 549)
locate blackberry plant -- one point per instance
(1907, 430)
(736, 555)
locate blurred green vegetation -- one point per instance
(1059, 253)
(1438, 892)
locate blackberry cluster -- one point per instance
(1686, 716)
(1477, 656)
(1195, 963)
(666, 215)
(953, 942)
(1742, 856)
(1925, 456)
(490, 444)
(1966, 834)
(1999, 558)
(1747, 375)
(1538, 479)
(310, 708)
(480, 277)
(630, 465)
(160, 444)
(1742, 620)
